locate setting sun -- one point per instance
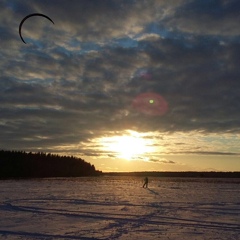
(127, 147)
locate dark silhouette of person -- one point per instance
(145, 182)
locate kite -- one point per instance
(28, 16)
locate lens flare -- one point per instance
(150, 103)
(143, 74)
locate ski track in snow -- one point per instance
(119, 208)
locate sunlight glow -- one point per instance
(128, 147)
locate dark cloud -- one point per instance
(88, 20)
(207, 17)
(163, 161)
(82, 74)
(210, 153)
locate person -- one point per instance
(145, 182)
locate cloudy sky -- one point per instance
(128, 85)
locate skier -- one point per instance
(145, 182)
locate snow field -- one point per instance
(119, 208)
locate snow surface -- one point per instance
(119, 208)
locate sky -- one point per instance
(127, 85)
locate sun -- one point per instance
(126, 147)
(129, 147)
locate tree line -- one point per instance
(21, 164)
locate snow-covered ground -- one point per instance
(119, 208)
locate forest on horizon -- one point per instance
(21, 164)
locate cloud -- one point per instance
(210, 153)
(207, 17)
(162, 161)
(76, 80)
(90, 20)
